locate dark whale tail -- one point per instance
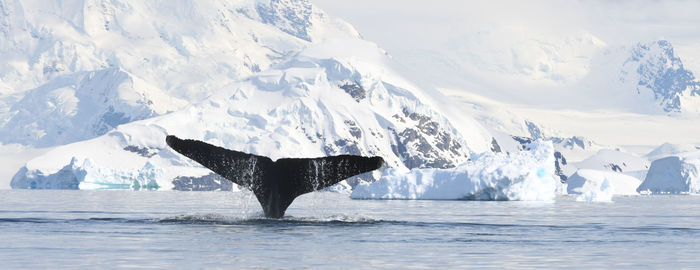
(275, 183)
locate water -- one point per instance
(185, 230)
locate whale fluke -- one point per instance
(275, 183)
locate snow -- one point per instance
(616, 161)
(276, 77)
(669, 149)
(526, 175)
(586, 181)
(77, 69)
(673, 175)
(83, 105)
(633, 133)
(298, 108)
(621, 97)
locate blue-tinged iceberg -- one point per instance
(677, 174)
(526, 175)
(85, 175)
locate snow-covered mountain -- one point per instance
(83, 105)
(73, 70)
(655, 70)
(643, 87)
(105, 81)
(643, 79)
(337, 97)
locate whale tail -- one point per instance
(275, 183)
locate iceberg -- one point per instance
(677, 174)
(85, 175)
(619, 184)
(525, 175)
(593, 191)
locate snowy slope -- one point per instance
(61, 59)
(616, 161)
(170, 43)
(83, 105)
(669, 149)
(333, 98)
(73, 70)
(585, 180)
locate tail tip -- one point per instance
(170, 140)
(378, 161)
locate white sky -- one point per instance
(390, 22)
(410, 30)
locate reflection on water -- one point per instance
(108, 229)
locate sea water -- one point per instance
(189, 230)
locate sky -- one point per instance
(406, 27)
(399, 25)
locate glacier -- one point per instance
(525, 175)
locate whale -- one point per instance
(275, 183)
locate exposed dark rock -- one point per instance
(494, 146)
(445, 143)
(535, 131)
(399, 118)
(209, 182)
(426, 145)
(343, 146)
(614, 167)
(523, 141)
(308, 136)
(560, 157)
(354, 130)
(252, 67)
(425, 124)
(355, 90)
(664, 74)
(429, 158)
(572, 142)
(559, 161)
(109, 120)
(355, 180)
(142, 151)
(291, 16)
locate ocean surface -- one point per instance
(192, 230)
